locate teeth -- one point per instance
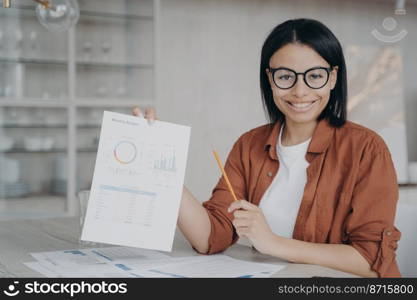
(301, 105)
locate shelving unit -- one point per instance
(56, 86)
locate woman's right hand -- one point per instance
(149, 114)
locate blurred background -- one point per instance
(197, 63)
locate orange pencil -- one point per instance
(224, 174)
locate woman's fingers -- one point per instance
(136, 111)
(149, 113)
(242, 214)
(241, 204)
(241, 222)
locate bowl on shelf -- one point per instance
(47, 143)
(6, 143)
(38, 143)
(32, 143)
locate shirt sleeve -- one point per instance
(223, 233)
(370, 226)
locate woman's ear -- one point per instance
(333, 77)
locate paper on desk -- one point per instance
(135, 266)
(137, 182)
(209, 266)
(93, 262)
(94, 256)
(38, 267)
(111, 254)
(133, 262)
(83, 271)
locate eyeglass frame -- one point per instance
(273, 70)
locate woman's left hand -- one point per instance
(250, 222)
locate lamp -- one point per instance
(55, 15)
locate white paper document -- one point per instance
(93, 262)
(137, 183)
(40, 268)
(208, 266)
(130, 262)
(84, 271)
(93, 256)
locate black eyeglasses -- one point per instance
(314, 78)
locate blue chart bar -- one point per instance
(126, 190)
(75, 252)
(102, 255)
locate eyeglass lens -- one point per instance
(314, 78)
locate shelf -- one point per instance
(79, 102)
(89, 126)
(84, 64)
(34, 102)
(112, 102)
(47, 126)
(88, 150)
(61, 75)
(29, 10)
(58, 150)
(22, 60)
(34, 126)
(128, 17)
(113, 65)
(23, 150)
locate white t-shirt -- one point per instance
(282, 199)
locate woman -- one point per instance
(314, 187)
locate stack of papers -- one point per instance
(134, 262)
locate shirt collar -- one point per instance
(319, 141)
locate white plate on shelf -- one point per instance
(6, 143)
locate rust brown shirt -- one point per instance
(350, 196)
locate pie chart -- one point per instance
(125, 152)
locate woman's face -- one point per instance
(300, 103)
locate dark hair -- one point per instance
(317, 36)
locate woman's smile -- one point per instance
(301, 106)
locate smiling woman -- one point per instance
(314, 188)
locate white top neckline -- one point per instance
(293, 150)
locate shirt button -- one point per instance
(388, 233)
(269, 174)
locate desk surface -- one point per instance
(18, 238)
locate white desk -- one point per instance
(20, 237)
